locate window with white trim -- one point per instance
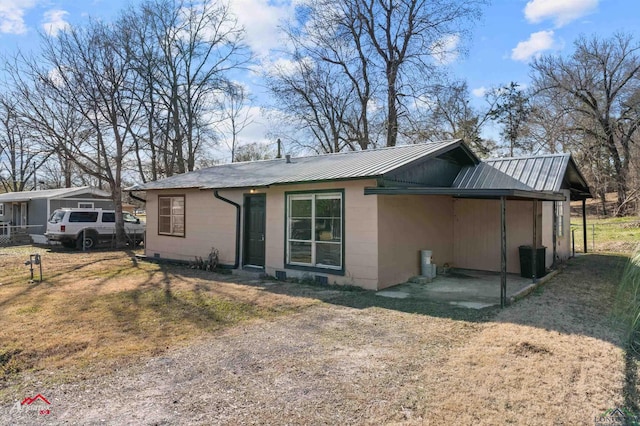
(560, 218)
(1, 209)
(314, 230)
(171, 215)
(85, 205)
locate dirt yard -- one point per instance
(168, 345)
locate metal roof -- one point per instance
(541, 173)
(539, 177)
(50, 194)
(339, 166)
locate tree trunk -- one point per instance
(116, 196)
(392, 107)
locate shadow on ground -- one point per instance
(577, 300)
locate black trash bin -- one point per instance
(526, 260)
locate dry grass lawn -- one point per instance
(209, 350)
(104, 308)
(553, 358)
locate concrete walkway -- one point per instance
(461, 287)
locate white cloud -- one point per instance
(261, 19)
(479, 92)
(283, 66)
(560, 11)
(12, 15)
(537, 43)
(445, 50)
(55, 22)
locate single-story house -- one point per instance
(361, 218)
(31, 209)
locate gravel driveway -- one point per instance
(326, 365)
(553, 358)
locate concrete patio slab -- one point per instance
(393, 294)
(462, 287)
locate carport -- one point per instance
(462, 287)
(490, 194)
(536, 180)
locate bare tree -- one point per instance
(334, 44)
(20, 154)
(405, 35)
(254, 151)
(370, 58)
(143, 47)
(182, 52)
(91, 74)
(549, 126)
(448, 114)
(47, 117)
(233, 106)
(201, 43)
(599, 85)
(511, 109)
(316, 101)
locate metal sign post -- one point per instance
(34, 259)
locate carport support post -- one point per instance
(584, 223)
(554, 232)
(503, 252)
(534, 265)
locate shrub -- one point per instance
(628, 300)
(210, 263)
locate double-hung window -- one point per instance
(315, 226)
(171, 215)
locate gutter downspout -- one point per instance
(236, 263)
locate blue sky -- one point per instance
(510, 34)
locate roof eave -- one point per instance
(470, 193)
(573, 164)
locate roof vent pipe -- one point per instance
(288, 157)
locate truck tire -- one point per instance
(90, 241)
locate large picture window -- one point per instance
(171, 215)
(314, 230)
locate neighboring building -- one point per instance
(31, 209)
(361, 218)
